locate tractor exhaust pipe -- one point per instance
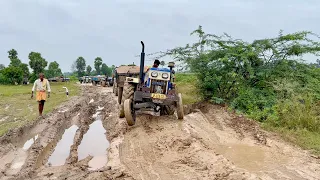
(142, 63)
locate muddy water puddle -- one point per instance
(251, 158)
(243, 156)
(62, 150)
(29, 142)
(94, 143)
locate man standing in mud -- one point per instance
(42, 86)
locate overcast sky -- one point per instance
(62, 30)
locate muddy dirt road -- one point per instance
(85, 139)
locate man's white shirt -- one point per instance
(38, 85)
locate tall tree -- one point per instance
(74, 66)
(2, 67)
(104, 69)
(162, 63)
(54, 70)
(89, 69)
(97, 64)
(25, 70)
(37, 62)
(13, 56)
(81, 66)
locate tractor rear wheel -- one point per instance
(129, 112)
(120, 92)
(180, 107)
(116, 89)
(127, 93)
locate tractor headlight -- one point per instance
(154, 74)
(165, 75)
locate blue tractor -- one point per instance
(153, 91)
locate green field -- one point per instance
(17, 107)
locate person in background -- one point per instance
(42, 86)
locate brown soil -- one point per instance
(209, 143)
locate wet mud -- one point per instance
(85, 139)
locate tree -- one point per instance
(2, 67)
(89, 69)
(80, 66)
(106, 70)
(13, 74)
(14, 60)
(37, 63)
(53, 70)
(97, 64)
(25, 70)
(162, 63)
(74, 66)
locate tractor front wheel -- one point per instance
(180, 107)
(129, 112)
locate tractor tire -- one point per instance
(103, 84)
(120, 92)
(129, 112)
(180, 112)
(127, 93)
(167, 110)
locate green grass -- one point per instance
(17, 107)
(187, 86)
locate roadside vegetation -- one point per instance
(266, 80)
(17, 107)
(187, 86)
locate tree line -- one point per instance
(18, 72)
(79, 67)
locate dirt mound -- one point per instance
(209, 143)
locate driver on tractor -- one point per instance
(156, 63)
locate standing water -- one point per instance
(94, 143)
(62, 150)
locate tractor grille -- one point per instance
(154, 86)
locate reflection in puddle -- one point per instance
(94, 143)
(243, 156)
(28, 144)
(62, 150)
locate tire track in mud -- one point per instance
(79, 111)
(209, 143)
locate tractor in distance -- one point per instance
(152, 91)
